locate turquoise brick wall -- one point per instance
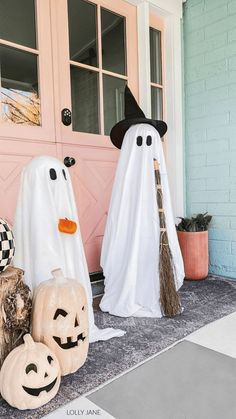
(209, 32)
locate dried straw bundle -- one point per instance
(169, 298)
(15, 310)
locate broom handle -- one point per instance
(159, 196)
(169, 298)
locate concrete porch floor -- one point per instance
(194, 379)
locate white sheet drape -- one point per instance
(40, 247)
(130, 251)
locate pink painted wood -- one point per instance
(62, 72)
(14, 155)
(96, 158)
(45, 132)
(92, 178)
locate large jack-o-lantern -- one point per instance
(30, 375)
(60, 320)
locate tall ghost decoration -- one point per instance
(131, 247)
(44, 239)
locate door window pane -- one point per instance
(113, 42)
(113, 101)
(157, 103)
(155, 56)
(84, 93)
(82, 17)
(20, 101)
(17, 22)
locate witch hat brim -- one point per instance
(133, 116)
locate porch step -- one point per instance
(97, 287)
(97, 283)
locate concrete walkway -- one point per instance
(194, 379)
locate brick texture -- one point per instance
(209, 38)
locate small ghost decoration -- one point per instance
(47, 231)
(60, 320)
(30, 375)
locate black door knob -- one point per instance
(69, 161)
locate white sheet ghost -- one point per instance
(46, 195)
(130, 250)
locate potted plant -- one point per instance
(193, 239)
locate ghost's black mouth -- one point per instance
(69, 344)
(37, 391)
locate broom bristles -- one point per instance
(169, 298)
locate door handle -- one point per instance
(69, 161)
(66, 116)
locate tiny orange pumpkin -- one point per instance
(67, 226)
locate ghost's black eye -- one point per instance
(139, 140)
(149, 140)
(83, 308)
(50, 359)
(64, 173)
(31, 367)
(53, 174)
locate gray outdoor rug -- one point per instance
(203, 303)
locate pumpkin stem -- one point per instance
(58, 275)
(28, 340)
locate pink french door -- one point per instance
(26, 76)
(93, 67)
(76, 56)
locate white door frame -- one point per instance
(171, 12)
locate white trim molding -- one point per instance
(174, 105)
(164, 6)
(143, 13)
(171, 13)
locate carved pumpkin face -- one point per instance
(30, 375)
(60, 320)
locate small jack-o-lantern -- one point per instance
(30, 375)
(60, 320)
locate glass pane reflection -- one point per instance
(20, 101)
(155, 56)
(84, 93)
(17, 22)
(82, 20)
(113, 101)
(113, 42)
(157, 103)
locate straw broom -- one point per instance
(169, 298)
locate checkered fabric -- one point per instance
(7, 245)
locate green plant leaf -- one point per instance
(199, 222)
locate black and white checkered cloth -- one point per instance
(7, 245)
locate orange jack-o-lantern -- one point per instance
(30, 375)
(67, 226)
(60, 320)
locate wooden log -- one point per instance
(15, 310)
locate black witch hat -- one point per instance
(133, 115)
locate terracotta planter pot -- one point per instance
(194, 248)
